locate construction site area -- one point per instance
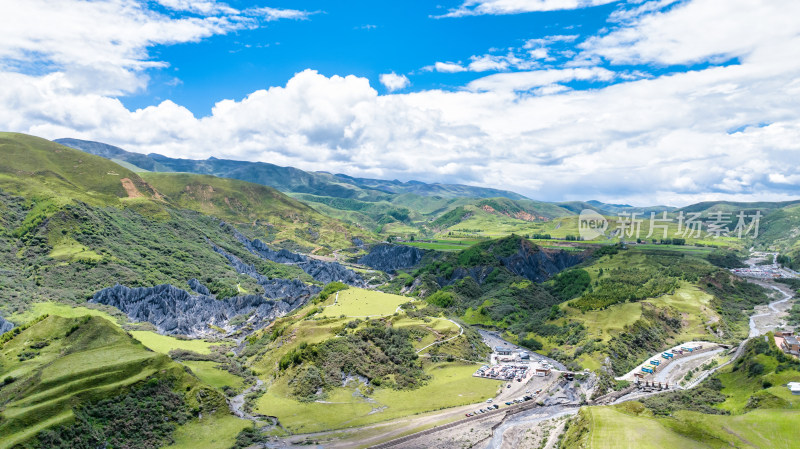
(677, 366)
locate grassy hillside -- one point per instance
(780, 231)
(266, 213)
(386, 358)
(61, 377)
(680, 296)
(746, 405)
(74, 223)
(35, 167)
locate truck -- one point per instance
(687, 349)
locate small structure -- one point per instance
(791, 345)
(524, 356)
(542, 372)
(500, 350)
(794, 387)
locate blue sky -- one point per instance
(362, 38)
(626, 101)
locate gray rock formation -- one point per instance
(319, 270)
(176, 312)
(391, 257)
(273, 288)
(199, 287)
(529, 261)
(5, 326)
(539, 265)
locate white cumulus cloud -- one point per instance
(713, 132)
(393, 81)
(501, 7)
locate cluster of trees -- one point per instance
(383, 355)
(647, 335)
(144, 417)
(625, 284)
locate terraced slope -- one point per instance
(58, 364)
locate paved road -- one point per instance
(663, 375)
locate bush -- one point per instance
(531, 343)
(144, 417)
(442, 299)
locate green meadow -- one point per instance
(357, 302)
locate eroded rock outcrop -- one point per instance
(177, 312)
(198, 287)
(273, 288)
(539, 264)
(320, 270)
(391, 257)
(5, 325)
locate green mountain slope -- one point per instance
(72, 225)
(288, 179)
(35, 167)
(746, 405)
(269, 214)
(58, 371)
(780, 231)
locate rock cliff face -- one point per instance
(198, 287)
(529, 261)
(176, 312)
(319, 270)
(539, 264)
(5, 326)
(273, 288)
(391, 257)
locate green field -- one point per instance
(217, 431)
(357, 302)
(211, 374)
(69, 250)
(165, 343)
(451, 385)
(613, 428)
(443, 244)
(64, 310)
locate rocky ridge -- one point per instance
(5, 325)
(389, 258)
(174, 311)
(321, 271)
